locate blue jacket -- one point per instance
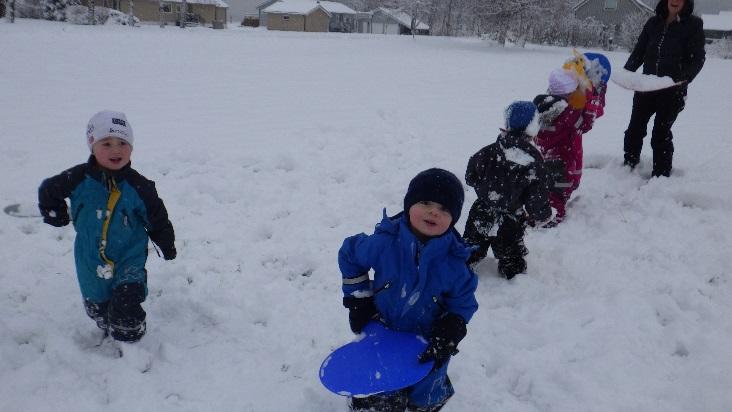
(137, 214)
(413, 283)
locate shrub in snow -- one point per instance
(722, 48)
(78, 14)
(56, 9)
(631, 29)
(30, 9)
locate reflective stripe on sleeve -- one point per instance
(357, 279)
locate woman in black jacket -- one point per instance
(671, 44)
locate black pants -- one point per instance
(666, 105)
(122, 315)
(394, 402)
(507, 244)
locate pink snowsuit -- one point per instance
(560, 137)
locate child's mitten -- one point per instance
(595, 103)
(170, 254)
(58, 218)
(360, 311)
(447, 332)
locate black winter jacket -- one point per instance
(510, 174)
(676, 50)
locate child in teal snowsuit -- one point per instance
(421, 284)
(115, 210)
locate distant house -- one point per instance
(307, 15)
(262, 14)
(343, 18)
(389, 21)
(717, 26)
(204, 12)
(611, 12)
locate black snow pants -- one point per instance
(507, 243)
(122, 315)
(393, 402)
(666, 104)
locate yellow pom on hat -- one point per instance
(576, 65)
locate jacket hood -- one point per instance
(451, 241)
(686, 11)
(550, 107)
(511, 138)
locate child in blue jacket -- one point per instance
(421, 284)
(114, 210)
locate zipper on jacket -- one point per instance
(660, 43)
(114, 194)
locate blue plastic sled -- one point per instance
(381, 360)
(604, 62)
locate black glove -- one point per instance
(170, 254)
(360, 311)
(447, 332)
(58, 218)
(555, 171)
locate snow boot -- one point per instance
(511, 267)
(126, 316)
(393, 402)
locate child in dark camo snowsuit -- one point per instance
(512, 184)
(115, 210)
(420, 284)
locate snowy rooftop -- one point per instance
(307, 6)
(404, 18)
(217, 3)
(338, 8)
(721, 21)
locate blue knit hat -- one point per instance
(436, 185)
(522, 116)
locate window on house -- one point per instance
(166, 8)
(285, 18)
(611, 4)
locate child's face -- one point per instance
(429, 218)
(112, 153)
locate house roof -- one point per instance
(721, 21)
(337, 8)
(307, 7)
(217, 3)
(266, 3)
(403, 18)
(639, 3)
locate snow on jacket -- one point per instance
(676, 50)
(138, 213)
(510, 174)
(413, 283)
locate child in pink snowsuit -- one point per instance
(562, 127)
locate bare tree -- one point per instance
(630, 29)
(505, 21)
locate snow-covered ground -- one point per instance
(269, 148)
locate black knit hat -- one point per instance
(436, 185)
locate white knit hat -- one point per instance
(562, 82)
(109, 124)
